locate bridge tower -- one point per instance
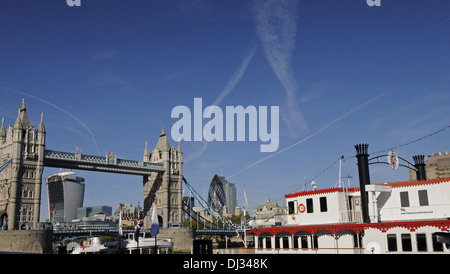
(164, 189)
(20, 182)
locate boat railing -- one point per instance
(350, 216)
(291, 251)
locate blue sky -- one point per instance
(107, 74)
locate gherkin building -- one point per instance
(216, 193)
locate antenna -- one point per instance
(313, 184)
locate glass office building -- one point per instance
(65, 193)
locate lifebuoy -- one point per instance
(301, 208)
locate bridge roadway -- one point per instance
(109, 163)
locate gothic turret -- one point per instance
(164, 190)
(3, 131)
(146, 157)
(41, 127)
(26, 146)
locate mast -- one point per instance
(244, 218)
(340, 171)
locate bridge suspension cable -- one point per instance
(4, 165)
(211, 210)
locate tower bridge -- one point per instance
(109, 163)
(23, 156)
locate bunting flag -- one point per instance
(79, 148)
(120, 224)
(154, 229)
(138, 224)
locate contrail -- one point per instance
(238, 73)
(58, 108)
(437, 26)
(276, 24)
(311, 135)
(228, 88)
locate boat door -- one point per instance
(355, 208)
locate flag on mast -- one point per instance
(244, 218)
(154, 229)
(245, 202)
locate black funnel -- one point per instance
(419, 164)
(364, 177)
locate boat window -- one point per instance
(309, 205)
(404, 199)
(406, 242)
(295, 241)
(304, 241)
(421, 242)
(437, 246)
(315, 242)
(392, 242)
(323, 204)
(291, 207)
(423, 197)
(285, 242)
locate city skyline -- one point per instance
(106, 75)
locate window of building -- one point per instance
(392, 242)
(404, 199)
(309, 205)
(406, 242)
(423, 197)
(421, 240)
(323, 204)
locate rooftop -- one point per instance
(354, 189)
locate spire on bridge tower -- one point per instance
(22, 120)
(23, 105)
(41, 127)
(2, 130)
(179, 147)
(163, 144)
(146, 157)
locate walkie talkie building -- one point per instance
(65, 194)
